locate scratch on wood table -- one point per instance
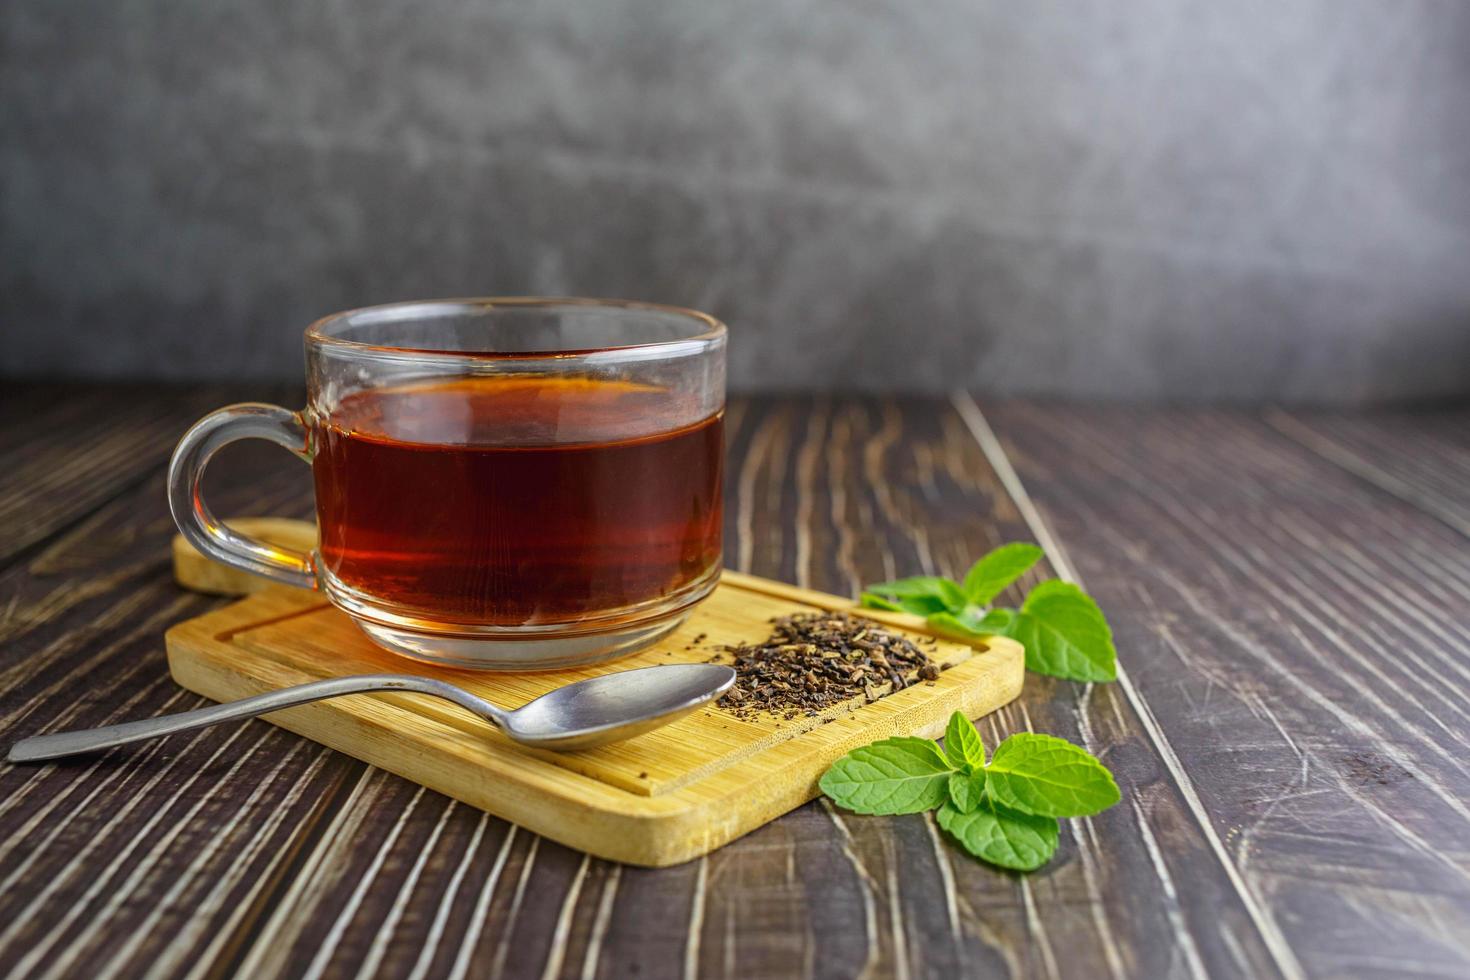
(1290, 593)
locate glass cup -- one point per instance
(504, 483)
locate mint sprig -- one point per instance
(1062, 629)
(1003, 811)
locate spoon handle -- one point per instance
(41, 747)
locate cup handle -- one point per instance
(197, 522)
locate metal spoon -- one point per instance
(578, 716)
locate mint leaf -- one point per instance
(1049, 777)
(990, 575)
(966, 790)
(962, 625)
(953, 595)
(924, 594)
(970, 623)
(870, 601)
(993, 833)
(997, 620)
(922, 605)
(905, 588)
(1065, 634)
(962, 745)
(896, 775)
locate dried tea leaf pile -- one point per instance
(812, 661)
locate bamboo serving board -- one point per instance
(658, 799)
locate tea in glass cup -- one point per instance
(518, 483)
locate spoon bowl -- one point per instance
(616, 706)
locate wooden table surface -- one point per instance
(1291, 727)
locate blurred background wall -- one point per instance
(1180, 199)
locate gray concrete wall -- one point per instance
(1149, 199)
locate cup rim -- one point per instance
(714, 331)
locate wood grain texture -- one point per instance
(1299, 630)
(69, 448)
(1289, 749)
(130, 860)
(1422, 456)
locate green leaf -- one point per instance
(993, 833)
(922, 605)
(923, 594)
(903, 588)
(991, 574)
(997, 620)
(970, 623)
(963, 626)
(870, 601)
(966, 790)
(962, 745)
(896, 775)
(1065, 634)
(953, 595)
(1049, 777)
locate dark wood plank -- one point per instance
(827, 494)
(1420, 456)
(155, 857)
(1298, 632)
(70, 448)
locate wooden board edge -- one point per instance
(648, 831)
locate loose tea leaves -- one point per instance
(812, 661)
